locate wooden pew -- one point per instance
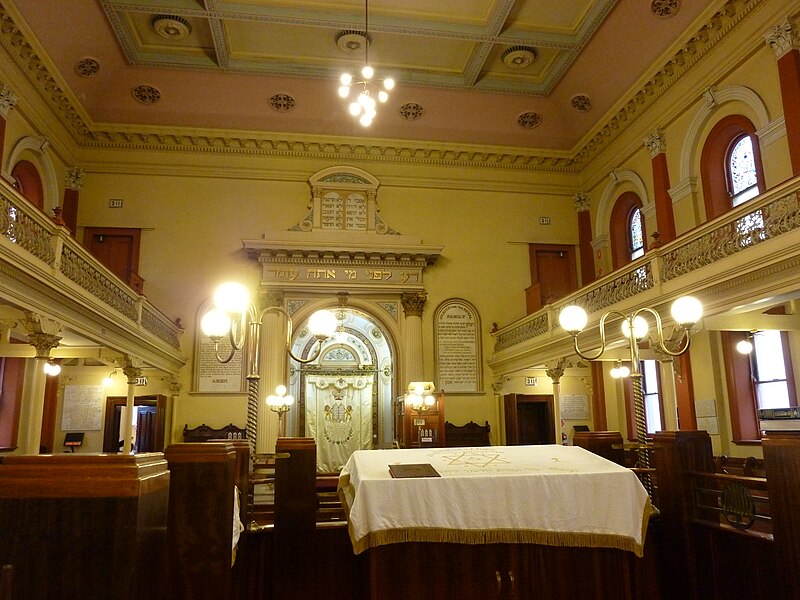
(204, 433)
(725, 537)
(83, 526)
(200, 527)
(469, 435)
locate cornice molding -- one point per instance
(90, 135)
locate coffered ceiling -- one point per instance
(537, 74)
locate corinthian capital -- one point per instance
(8, 99)
(655, 143)
(782, 38)
(582, 202)
(413, 303)
(74, 179)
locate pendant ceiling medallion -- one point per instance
(352, 42)
(171, 27)
(519, 57)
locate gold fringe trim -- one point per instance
(495, 536)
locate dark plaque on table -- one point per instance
(413, 470)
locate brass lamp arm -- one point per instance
(683, 345)
(602, 325)
(279, 310)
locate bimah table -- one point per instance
(499, 497)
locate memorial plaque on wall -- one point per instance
(82, 408)
(212, 376)
(458, 347)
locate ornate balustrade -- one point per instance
(751, 249)
(47, 270)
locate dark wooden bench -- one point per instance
(471, 434)
(204, 433)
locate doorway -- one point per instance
(150, 424)
(118, 249)
(529, 419)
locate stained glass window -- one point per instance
(742, 171)
(636, 233)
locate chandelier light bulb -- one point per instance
(367, 72)
(355, 109)
(573, 319)
(215, 323)
(388, 84)
(687, 310)
(344, 91)
(365, 120)
(383, 96)
(345, 79)
(232, 297)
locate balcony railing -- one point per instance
(34, 244)
(699, 262)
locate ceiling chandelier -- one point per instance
(366, 91)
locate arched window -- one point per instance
(28, 181)
(730, 165)
(626, 230)
(635, 233)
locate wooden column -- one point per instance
(665, 218)
(783, 39)
(675, 453)
(782, 463)
(582, 206)
(200, 520)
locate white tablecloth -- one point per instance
(556, 495)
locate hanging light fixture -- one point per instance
(365, 92)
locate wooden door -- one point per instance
(118, 249)
(145, 429)
(553, 274)
(529, 419)
(154, 426)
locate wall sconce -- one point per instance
(52, 368)
(419, 395)
(686, 311)
(108, 380)
(234, 315)
(746, 346)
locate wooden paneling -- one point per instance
(84, 526)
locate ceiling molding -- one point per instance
(90, 135)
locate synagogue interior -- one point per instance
(331, 299)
